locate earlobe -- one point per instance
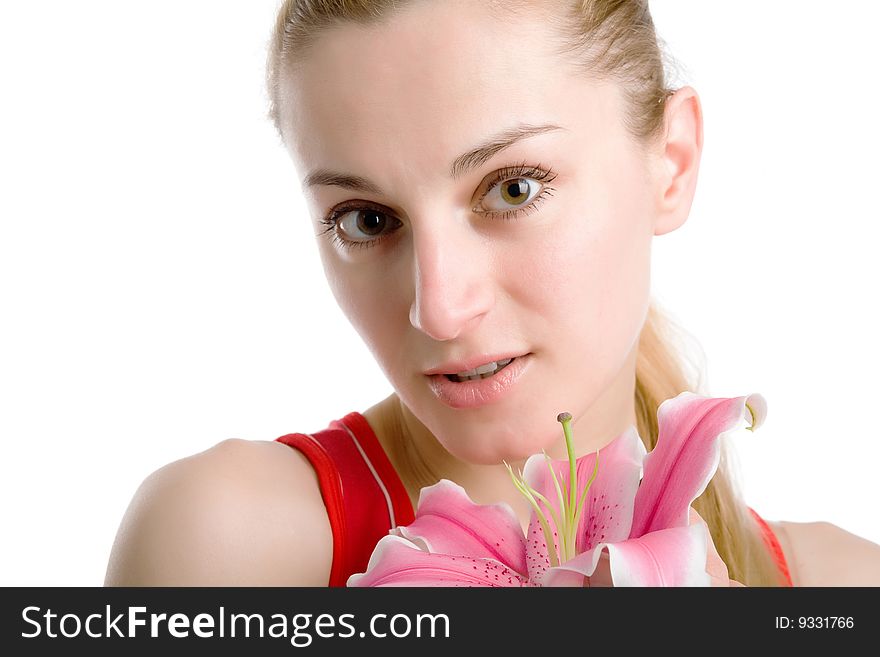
(680, 151)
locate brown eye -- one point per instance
(511, 194)
(363, 222)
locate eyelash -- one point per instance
(507, 173)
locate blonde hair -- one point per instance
(613, 40)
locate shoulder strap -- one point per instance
(774, 546)
(331, 491)
(363, 494)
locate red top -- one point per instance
(365, 498)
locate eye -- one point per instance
(366, 222)
(514, 190)
(359, 226)
(511, 194)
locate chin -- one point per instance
(496, 452)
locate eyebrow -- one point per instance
(460, 166)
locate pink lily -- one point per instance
(628, 523)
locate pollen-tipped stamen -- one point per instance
(569, 529)
(565, 419)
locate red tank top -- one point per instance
(365, 498)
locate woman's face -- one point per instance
(455, 258)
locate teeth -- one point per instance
(488, 367)
(482, 370)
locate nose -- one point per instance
(453, 280)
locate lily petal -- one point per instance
(609, 504)
(686, 457)
(398, 562)
(448, 521)
(669, 557)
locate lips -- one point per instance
(456, 366)
(481, 391)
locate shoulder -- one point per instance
(823, 554)
(242, 513)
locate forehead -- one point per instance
(424, 84)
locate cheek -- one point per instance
(361, 292)
(596, 261)
(589, 278)
(350, 290)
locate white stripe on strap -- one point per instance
(375, 475)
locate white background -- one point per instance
(160, 288)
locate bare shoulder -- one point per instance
(823, 554)
(242, 513)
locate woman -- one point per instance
(487, 179)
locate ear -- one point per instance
(679, 160)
